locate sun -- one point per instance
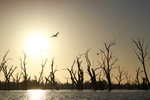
(38, 44)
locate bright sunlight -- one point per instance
(36, 94)
(38, 44)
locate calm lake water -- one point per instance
(75, 95)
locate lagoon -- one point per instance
(75, 95)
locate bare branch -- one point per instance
(41, 73)
(106, 64)
(142, 54)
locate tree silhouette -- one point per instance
(41, 73)
(80, 74)
(26, 77)
(141, 54)
(128, 78)
(79, 78)
(4, 60)
(138, 72)
(7, 71)
(120, 77)
(71, 72)
(51, 77)
(91, 71)
(17, 79)
(108, 62)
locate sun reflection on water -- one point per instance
(36, 94)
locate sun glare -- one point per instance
(38, 44)
(36, 94)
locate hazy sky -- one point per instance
(82, 24)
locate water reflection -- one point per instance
(36, 94)
(75, 95)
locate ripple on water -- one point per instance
(75, 95)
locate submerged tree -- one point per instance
(108, 61)
(120, 77)
(7, 71)
(17, 79)
(40, 79)
(141, 54)
(128, 79)
(4, 60)
(8, 74)
(138, 72)
(79, 78)
(71, 75)
(51, 77)
(26, 77)
(91, 71)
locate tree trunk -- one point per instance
(146, 74)
(8, 85)
(119, 86)
(109, 82)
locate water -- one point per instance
(75, 95)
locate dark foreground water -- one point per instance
(75, 95)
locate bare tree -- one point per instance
(80, 74)
(120, 77)
(71, 72)
(17, 79)
(91, 71)
(138, 72)
(26, 77)
(4, 60)
(128, 78)
(7, 71)
(51, 77)
(79, 78)
(41, 73)
(107, 62)
(141, 54)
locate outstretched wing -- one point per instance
(55, 35)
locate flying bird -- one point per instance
(55, 35)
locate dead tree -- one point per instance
(71, 75)
(51, 77)
(80, 74)
(107, 62)
(8, 74)
(79, 78)
(4, 60)
(7, 71)
(120, 77)
(128, 77)
(41, 73)
(141, 54)
(91, 71)
(17, 79)
(136, 80)
(101, 81)
(26, 77)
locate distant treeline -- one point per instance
(32, 84)
(100, 76)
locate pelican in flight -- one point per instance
(55, 35)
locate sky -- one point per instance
(27, 25)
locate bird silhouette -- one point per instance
(55, 35)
